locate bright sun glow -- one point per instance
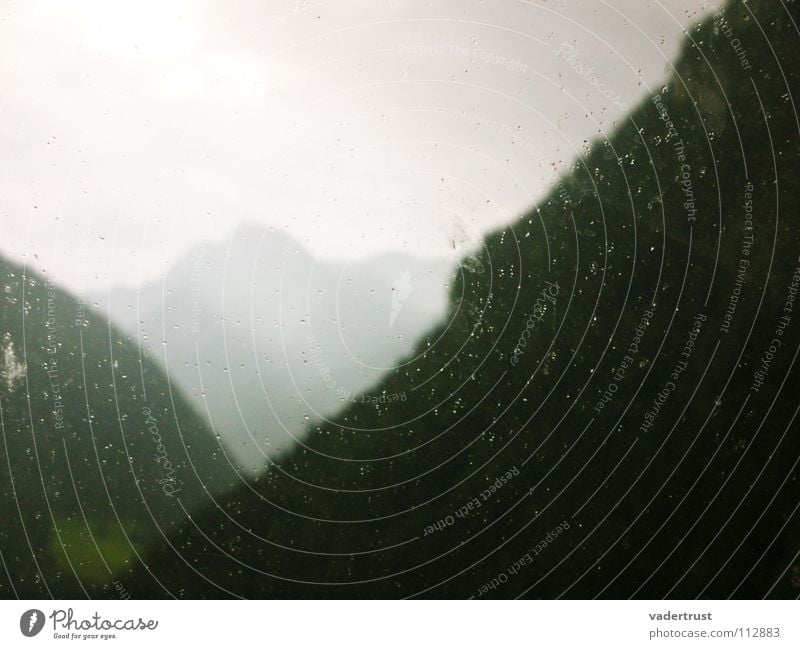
(151, 27)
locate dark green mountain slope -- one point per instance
(93, 467)
(611, 410)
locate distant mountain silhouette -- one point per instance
(266, 340)
(604, 406)
(595, 415)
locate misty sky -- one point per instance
(132, 130)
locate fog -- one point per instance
(133, 131)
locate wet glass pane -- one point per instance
(399, 299)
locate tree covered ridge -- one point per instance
(584, 422)
(628, 410)
(100, 455)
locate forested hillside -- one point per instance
(100, 457)
(607, 410)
